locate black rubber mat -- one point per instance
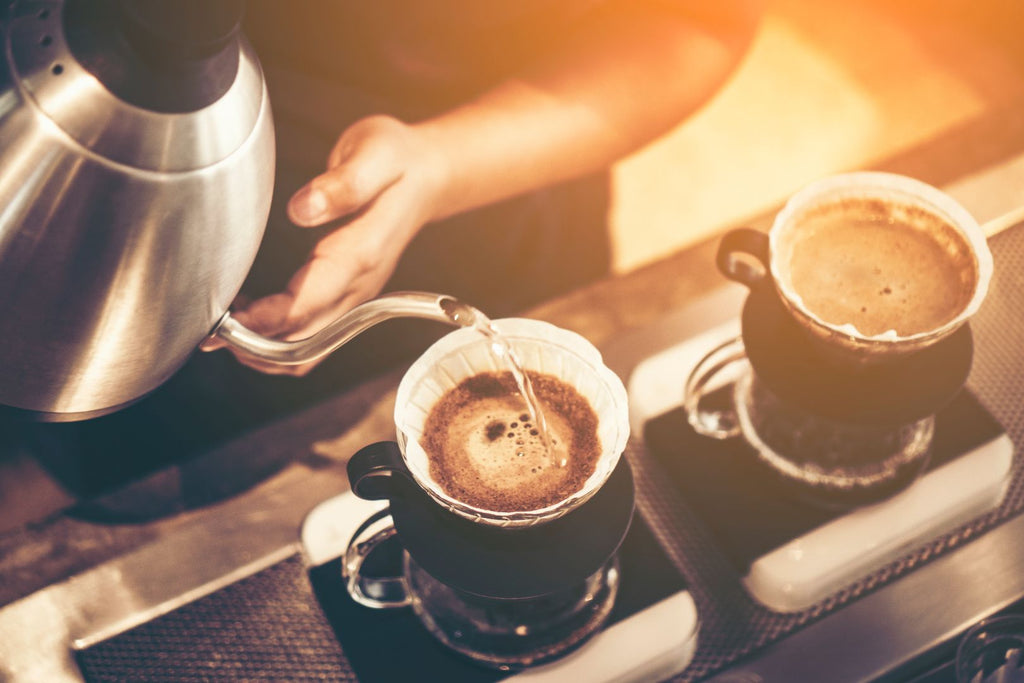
(283, 624)
(266, 627)
(746, 508)
(371, 637)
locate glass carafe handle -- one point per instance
(717, 423)
(387, 592)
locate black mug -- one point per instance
(843, 417)
(757, 260)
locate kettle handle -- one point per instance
(426, 305)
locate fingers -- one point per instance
(370, 183)
(310, 207)
(268, 316)
(341, 191)
(362, 165)
(326, 287)
(323, 289)
(278, 310)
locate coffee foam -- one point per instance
(541, 347)
(878, 267)
(484, 450)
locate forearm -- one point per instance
(620, 80)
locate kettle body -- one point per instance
(129, 214)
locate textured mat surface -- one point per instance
(266, 627)
(747, 509)
(272, 627)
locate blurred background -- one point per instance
(826, 87)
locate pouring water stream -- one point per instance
(467, 316)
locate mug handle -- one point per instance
(717, 424)
(749, 242)
(387, 592)
(371, 468)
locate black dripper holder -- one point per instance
(535, 580)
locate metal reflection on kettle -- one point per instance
(136, 173)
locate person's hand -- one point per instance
(383, 178)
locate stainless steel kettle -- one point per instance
(136, 171)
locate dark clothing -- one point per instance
(339, 62)
(422, 57)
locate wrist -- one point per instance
(437, 170)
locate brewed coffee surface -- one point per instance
(881, 267)
(485, 451)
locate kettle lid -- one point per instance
(170, 56)
(146, 93)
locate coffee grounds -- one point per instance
(484, 451)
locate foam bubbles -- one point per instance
(486, 452)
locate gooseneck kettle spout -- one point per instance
(425, 305)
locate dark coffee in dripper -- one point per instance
(457, 405)
(484, 449)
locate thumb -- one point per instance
(342, 190)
